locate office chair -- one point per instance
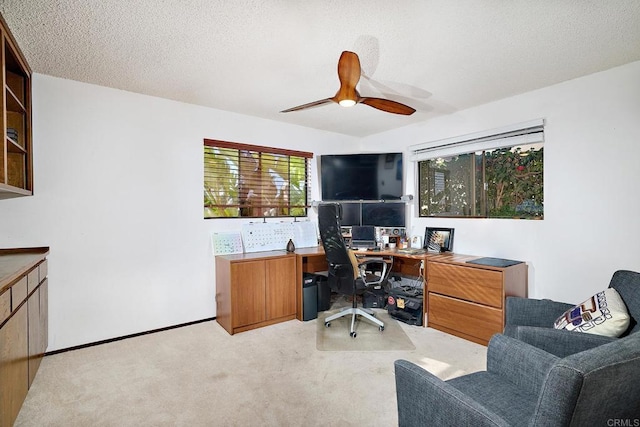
(347, 275)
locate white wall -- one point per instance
(118, 198)
(591, 177)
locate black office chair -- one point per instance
(346, 274)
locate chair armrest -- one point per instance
(520, 363)
(533, 312)
(362, 266)
(559, 342)
(424, 399)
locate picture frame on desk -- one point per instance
(437, 239)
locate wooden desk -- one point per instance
(312, 260)
(466, 300)
(462, 299)
(255, 289)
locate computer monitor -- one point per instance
(363, 236)
(391, 214)
(350, 214)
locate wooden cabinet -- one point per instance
(255, 290)
(23, 325)
(16, 176)
(467, 300)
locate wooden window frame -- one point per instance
(258, 181)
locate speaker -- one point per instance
(309, 297)
(392, 231)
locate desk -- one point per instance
(463, 299)
(312, 260)
(255, 289)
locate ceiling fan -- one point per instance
(349, 75)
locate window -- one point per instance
(486, 176)
(249, 181)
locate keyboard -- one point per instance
(412, 251)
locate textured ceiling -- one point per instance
(259, 57)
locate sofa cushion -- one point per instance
(602, 314)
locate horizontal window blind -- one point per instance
(242, 180)
(509, 136)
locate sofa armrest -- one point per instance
(533, 312)
(424, 399)
(520, 363)
(559, 342)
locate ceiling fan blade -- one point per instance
(349, 72)
(349, 69)
(388, 106)
(349, 75)
(309, 105)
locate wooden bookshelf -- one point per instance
(16, 164)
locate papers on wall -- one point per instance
(267, 236)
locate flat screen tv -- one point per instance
(365, 176)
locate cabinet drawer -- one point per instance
(33, 280)
(467, 283)
(471, 319)
(18, 293)
(5, 305)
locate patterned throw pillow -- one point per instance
(602, 314)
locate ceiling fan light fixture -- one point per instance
(347, 103)
(349, 72)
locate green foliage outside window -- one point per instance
(515, 183)
(502, 183)
(253, 183)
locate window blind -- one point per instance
(509, 136)
(243, 180)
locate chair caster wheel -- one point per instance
(353, 334)
(381, 328)
(327, 324)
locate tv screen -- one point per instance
(361, 176)
(383, 214)
(350, 214)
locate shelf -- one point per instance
(13, 103)
(9, 191)
(14, 147)
(16, 175)
(15, 84)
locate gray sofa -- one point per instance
(527, 386)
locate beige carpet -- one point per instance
(368, 336)
(200, 375)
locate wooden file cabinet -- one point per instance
(255, 290)
(23, 325)
(467, 300)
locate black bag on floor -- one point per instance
(406, 305)
(374, 297)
